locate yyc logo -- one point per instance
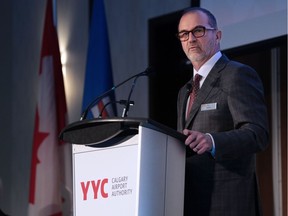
(98, 188)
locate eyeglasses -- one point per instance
(197, 32)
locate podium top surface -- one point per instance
(97, 131)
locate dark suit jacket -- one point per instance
(225, 184)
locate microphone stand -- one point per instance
(122, 102)
(96, 100)
(127, 106)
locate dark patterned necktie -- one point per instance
(194, 92)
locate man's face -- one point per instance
(199, 50)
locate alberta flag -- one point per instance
(50, 178)
(98, 77)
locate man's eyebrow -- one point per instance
(184, 30)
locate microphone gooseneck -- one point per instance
(127, 106)
(147, 72)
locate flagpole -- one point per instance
(54, 6)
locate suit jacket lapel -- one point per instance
(206, 88)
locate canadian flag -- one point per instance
(50, 178)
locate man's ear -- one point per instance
(218, 36)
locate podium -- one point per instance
(125, 166)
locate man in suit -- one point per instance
(226, 126)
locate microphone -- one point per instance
(147, 72)
(188, 87)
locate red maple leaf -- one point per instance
(39, 137)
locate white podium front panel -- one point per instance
(105, 180)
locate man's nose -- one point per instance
(191, 37)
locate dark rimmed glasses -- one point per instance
(197, 32)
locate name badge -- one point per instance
(210, 106)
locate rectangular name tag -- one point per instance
(210, 106)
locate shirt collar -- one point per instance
(206, 68)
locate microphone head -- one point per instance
(148, 71)
(188, 87)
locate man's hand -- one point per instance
(197, 141)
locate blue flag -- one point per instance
(98, 78)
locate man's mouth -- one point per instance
(192, 48)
